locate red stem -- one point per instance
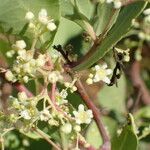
(97, 117)
(22, 88)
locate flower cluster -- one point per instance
(25, 65)
(99, 73)
(143, 26)
(25, 113)
(43, 19)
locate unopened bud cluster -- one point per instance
(143, 25)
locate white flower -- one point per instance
(89, 81)
(51, 26)
(100, 74)
(16, 103)
(54, 76)
(20, 44)
(66, 128)
(45, 115)
(73, 89)
(40, 61)
(31, 25)
(22, 54)
(141, 35)
(25, 114)
(147, 11)
(63, 94)
(71, 86)
(27, 68)
(26, 79)
(29, 16)
(10, 53)
(22, 96)
(117, 5)
(82, 116)
(43, 16)
(77, 128)
(9, 76)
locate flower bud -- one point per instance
(22, 96)
(9, 76)
(66, 128)
(20, 44)
(29, 16)
(51, 26)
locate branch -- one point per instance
(96, 113)
(22, 88)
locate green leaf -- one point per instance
(81, 19)
(143, 113)
(93, 131)
(127, 140)
(106, 17)
(118, 31)
(63, 35)
(66, 8)
(4, 47)
(85, 7)
(112, 100)
(12, 12)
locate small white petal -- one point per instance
(43, 16)
(78, 121)
(75, 113)
(91, 75)
(117, 5)
(109, 71)
(97, 67)
(88, 121)
(20, 44)
(89, 81)
(90, 113)
(25, 114)
(106, 80)
(96, 78)
(66, 128)
(51, 26)
(104, 66)
(81, 107)
(43, 13)
(147, 11)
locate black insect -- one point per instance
(117, 72)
